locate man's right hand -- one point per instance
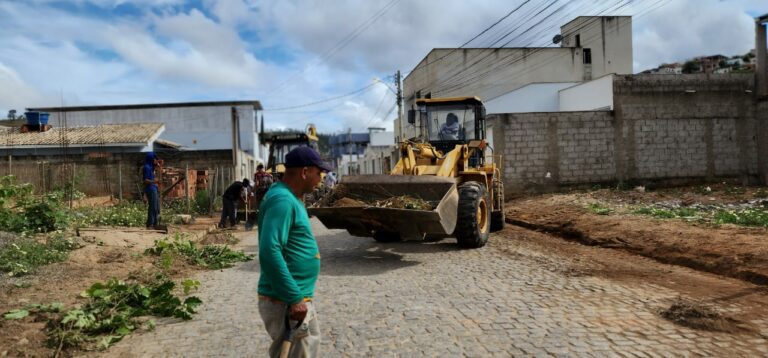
(298, 311)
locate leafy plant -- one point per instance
(113, 308)
(210, 256)
(26, 255)
(599, 209)
(22, 212)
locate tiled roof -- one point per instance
(134, 134)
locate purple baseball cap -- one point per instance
(305, 157)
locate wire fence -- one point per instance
(121, 178)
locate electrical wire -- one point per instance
(360, 29)
(355, 92)
(658, 4)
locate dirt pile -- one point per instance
(700, 315)
(623, 220)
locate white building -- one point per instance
(197, 126)
(377, 158)
(590, 48)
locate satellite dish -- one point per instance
(557, 39)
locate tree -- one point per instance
(691, 67)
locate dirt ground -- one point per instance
(728, 250)
(709, 264)
(106, 253)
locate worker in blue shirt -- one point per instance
(150, 189)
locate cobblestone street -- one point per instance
(432, 299)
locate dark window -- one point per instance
(578, 40)
(587, 56)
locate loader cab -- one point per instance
(447, 122)
(282, 143)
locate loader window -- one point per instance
(454, 123)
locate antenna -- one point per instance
(556, 40)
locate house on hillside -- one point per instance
(708, 64)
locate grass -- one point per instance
(599, 209)
(26, 255)
(752, 217)
(746, 217)
(664, 213)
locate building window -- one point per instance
(587, 56)
(578, 40)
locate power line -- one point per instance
(355, 92)
(339, 45)
(658, 4)
(468, 78)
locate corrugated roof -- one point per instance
(256, 105)
(133, 134)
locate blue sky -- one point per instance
(291, 52)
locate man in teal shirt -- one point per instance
(289, 257)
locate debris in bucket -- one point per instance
(404, 202)
(347, 203)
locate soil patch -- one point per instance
(728, 250)
(106, 254)
(702, 316)
(745, 304)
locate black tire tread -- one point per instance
(467, 232)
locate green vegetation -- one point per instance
(210, 256)
(23, 212)
(111, 312)
(599, 209)
(757, 217)
(26, 255)
(745, 217)
(130, 214)
(665, 213)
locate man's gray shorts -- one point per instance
(306, 343)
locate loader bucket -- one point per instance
(410, 224)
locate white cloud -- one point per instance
(674, 33)
(170, 54)
(14, 93)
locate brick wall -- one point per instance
(681, 128)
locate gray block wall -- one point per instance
(688, 127)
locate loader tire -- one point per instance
(386, 236)
(497, 220)
(472, 219)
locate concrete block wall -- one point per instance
(688, 127)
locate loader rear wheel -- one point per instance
(473, 217)
(386, 236)
(497, 220)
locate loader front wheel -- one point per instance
(473, 217)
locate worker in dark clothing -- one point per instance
(231, 196)
(150, 189)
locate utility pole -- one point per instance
(399, 105)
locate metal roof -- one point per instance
(256, 105)
(134, 134)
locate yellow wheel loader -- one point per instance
(449, 167)
(282, 143)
